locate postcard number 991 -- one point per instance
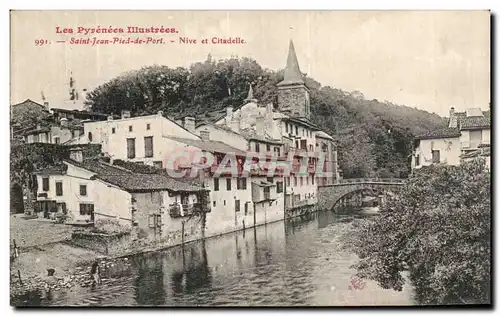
(41, 42)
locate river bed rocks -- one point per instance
(79, 276)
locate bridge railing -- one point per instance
(371, 180)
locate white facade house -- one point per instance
(140, 139)
(93, 192)
(466, 137)
(442, 146)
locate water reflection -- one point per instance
(297, 262)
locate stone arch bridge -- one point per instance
(330, 195)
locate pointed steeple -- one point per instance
(292, 70)
(250, 97)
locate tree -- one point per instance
(438, 229)
(206, 88)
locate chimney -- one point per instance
(64, 122)
(46, 105)
(453, 122)
(269, 108)
(205, 135)
(160, 113)
(76, 154)
(189, 123)
(259, 125)
(235, 124)
(229, 114)
(125, 114)
(110, 117)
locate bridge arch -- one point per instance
(330, 195)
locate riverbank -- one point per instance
(302, 262)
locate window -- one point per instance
(257, 148)
(148, 146)
(279, 187)
(267, 193)
(86, 209)
(286, 127)
(237, 205)
(307, 181)
(157, 164)
(130, 128)
(148, 126)
(83, 189)
(113, 130)
(246, 208)
(295, 181)
(241, 183)
(90, 136)
(296, 130)
(228, 184)
(45, 184)
(312, 179)
(268, 148)
(435, 156)
(216, 184)
(56, 140)
(297, 144)
(277, 151)
(417, 160)
(288, 181)
(224, 202)
(214, 203)
(301, 181)
(130, 147)
(59, 188)
(270, 179)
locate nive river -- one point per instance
(299, 262)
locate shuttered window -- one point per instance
(45, 184)
(148, 146)
(59, 189)
(130, 147)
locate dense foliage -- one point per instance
(374, 138)
(438, 229)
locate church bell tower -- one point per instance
(293, 95)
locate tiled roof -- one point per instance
(57, 169)
(323, 135)
(148, 182)
(484, 152)
(303, 121)
(209, 146)
(440, 133)
(79, 112)
(251, 134)
(133, 181)
(473, 122)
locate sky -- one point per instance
(431, 60)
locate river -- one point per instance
(299, 262)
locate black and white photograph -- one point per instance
(182, 158)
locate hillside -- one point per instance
(374, 138)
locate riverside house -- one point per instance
(93, 192)
(466, 137)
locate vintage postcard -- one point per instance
(250, 158)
